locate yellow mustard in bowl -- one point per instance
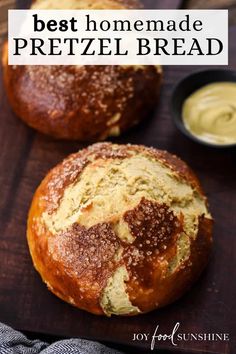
(210, 113)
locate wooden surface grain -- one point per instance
(26, 304)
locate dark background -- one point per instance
(25, 158)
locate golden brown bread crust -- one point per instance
(86, 103)
(77, 263)
(82, 102)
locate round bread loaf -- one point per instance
(119, 229)
(82, 102)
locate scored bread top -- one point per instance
(122, 221)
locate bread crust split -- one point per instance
(128, 257)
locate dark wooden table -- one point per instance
(26, 304)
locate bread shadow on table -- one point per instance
(191, 297)
(216, 164)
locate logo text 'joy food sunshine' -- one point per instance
(176, 336)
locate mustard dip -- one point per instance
(210, 113)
